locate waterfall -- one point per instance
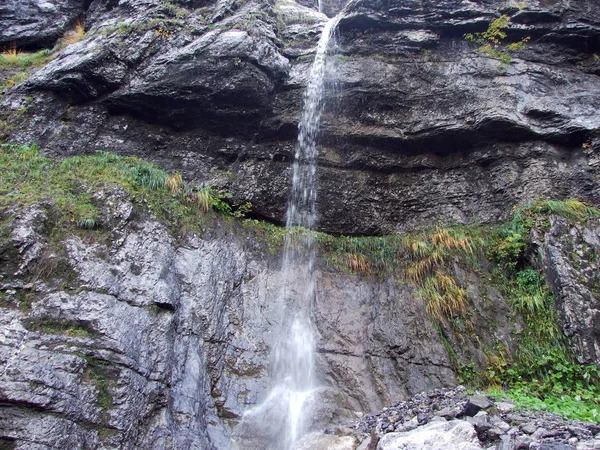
(285, 413)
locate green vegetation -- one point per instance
(554, 384)
(16, 58)
(492, 43)
(71, 187)
(95, 373)
(538, 369)
(55, 326)
(542, 373)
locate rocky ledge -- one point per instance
(452, 419)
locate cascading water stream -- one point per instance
(287, 407)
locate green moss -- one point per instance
(69, 186)
(96, 373)
(57, 326)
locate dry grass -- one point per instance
(358, 263)
(174, 183)
(203, 199)
(429, 252)
(72, 36)
(443, 297)
(10, 56)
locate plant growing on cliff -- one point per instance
(72, 184)
(16, 58)
(492, 43)
(541, 372)
(72, 36)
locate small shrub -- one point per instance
(95, 373)
(149, 176)
(203, 199)
(88, 223)
(358, 263)
(10, 56)
(57, 326)
(163, 33)
(443, 297)
(14, 80)
(491, 41)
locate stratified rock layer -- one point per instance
(130, 338)
(419, 127)
(141, 341)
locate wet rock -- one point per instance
(436, 436)
(529, 428)
(505, 407)
(37, 24)
(449, 413)
(553, 446)
(475, 404)
(578, 306)
(481, 422)
(218, 94)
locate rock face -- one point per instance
(141, 340)
(37, 23)
(146, 342)
(419, 126)
(570, 256)
(135, 339)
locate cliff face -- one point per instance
(420, 127)
(136, 338)
(130, 338)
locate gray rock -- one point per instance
(499, 423)
(507, 442)
(555, 446)
(218, 99)
(494, 434)
(449, 413)
(589, 445)
(523, 442)
(529, 428)
(481, 422)
(158, 337)
(578, 306)
(475, 404)
(36, 23)
(505, 407)
(435, 436)
(541, 433)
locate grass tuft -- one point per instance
(174, 183)
(72, 36)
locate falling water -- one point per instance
(284, 415)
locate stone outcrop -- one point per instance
(142, 341)
(138, 339)
(570, 258)
(132, 338)
(419, 126)
(38, 23)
